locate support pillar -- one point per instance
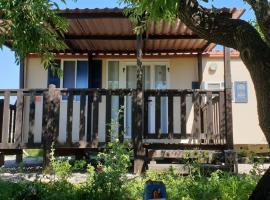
(139, 151)
(21, 76)
(228, 98)
(89, 100)
(50, 127)
(2, 159)
(200, 73)
(19, 157)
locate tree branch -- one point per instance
(217, 27)
(262, 12)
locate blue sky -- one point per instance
(9, 71)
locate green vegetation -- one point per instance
(33, 152)
(109, 181)
(101, 186)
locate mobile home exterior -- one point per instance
(173, 91)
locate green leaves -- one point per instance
(32, 26)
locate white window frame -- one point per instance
(150, 62)
(62, 68)
(62, 78)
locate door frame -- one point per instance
(151, 62)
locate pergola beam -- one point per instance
(130, 37)
(89, 15)
(120, 52)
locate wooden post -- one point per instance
(200, 72)
(22, 67)
(50, 123)
(2, 159)
(228, 98)
(89, 100)
(139, 151)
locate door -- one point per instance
(155, 76)
(130, 79)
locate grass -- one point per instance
(33, 152)
(219, 185)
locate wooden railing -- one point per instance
(79, 118)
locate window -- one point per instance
(113, 74)
(82, 74)
(241, 92)
(75, 75)
(52, 74)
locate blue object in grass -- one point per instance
(154, 190)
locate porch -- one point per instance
(207, 133)
(152, 119)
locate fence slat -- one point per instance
(145, 120)
(222, 117)
(6, 111)
(170, 116)
(197, 117)
(157, 116)
(19, 118)
(1, 118)
(121, 118)
(183, 115)
(82, 117)
(108, 117)
(89, 117)
(209, 117)
(69, 117)
(95, 119)
(31, 119)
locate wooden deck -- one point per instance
(208, 127)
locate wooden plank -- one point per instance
(228, 98)
(82, 117)
(69, 117)
(1, 117)
(2, 159)
(210, 124)
(200, 72)
(133, 113)
(145, 120)
(31, 119)
(222, 116)
(121, 118)
(197, 118)
(11, 111)
(139, 151)
(89, 117)
(14, 123)
(170, 116)
(5, 126)
(183, 114)
(157, 116)
(108, 117)
(95, 119)
(19, 118)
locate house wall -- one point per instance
(183, 71)
(246, 129)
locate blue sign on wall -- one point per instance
(154, 190)
(241, 92)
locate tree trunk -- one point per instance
(238, 34)
(262, 190)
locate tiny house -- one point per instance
(174, 91)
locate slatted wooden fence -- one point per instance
(208, 109)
